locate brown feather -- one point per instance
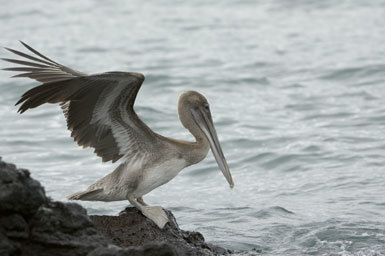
(80, 95)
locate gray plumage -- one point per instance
(99, 110)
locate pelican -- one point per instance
(99, 110)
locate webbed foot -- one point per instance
(156, 214)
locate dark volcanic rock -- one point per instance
(152, 249)
(18, 192)
(32, 224)
(131, 228)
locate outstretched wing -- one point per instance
(41, 69)
(98, 108)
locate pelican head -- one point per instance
(194, 113)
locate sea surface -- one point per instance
(296, 90)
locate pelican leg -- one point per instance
(154, 213)
(140, 200)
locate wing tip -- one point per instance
(8, 49)
(24, 44)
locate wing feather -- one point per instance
(49, 63)
(40, 67)
(98, 108)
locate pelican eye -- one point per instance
(207, 107)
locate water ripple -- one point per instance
(296, 92)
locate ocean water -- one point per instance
(296, 90)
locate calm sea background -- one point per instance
(296, 90)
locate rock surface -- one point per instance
(32, 224)
(131, 228)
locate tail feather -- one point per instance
(86, 195)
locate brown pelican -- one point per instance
(100, 114)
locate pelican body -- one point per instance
(99, 113)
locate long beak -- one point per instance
(202, 118)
